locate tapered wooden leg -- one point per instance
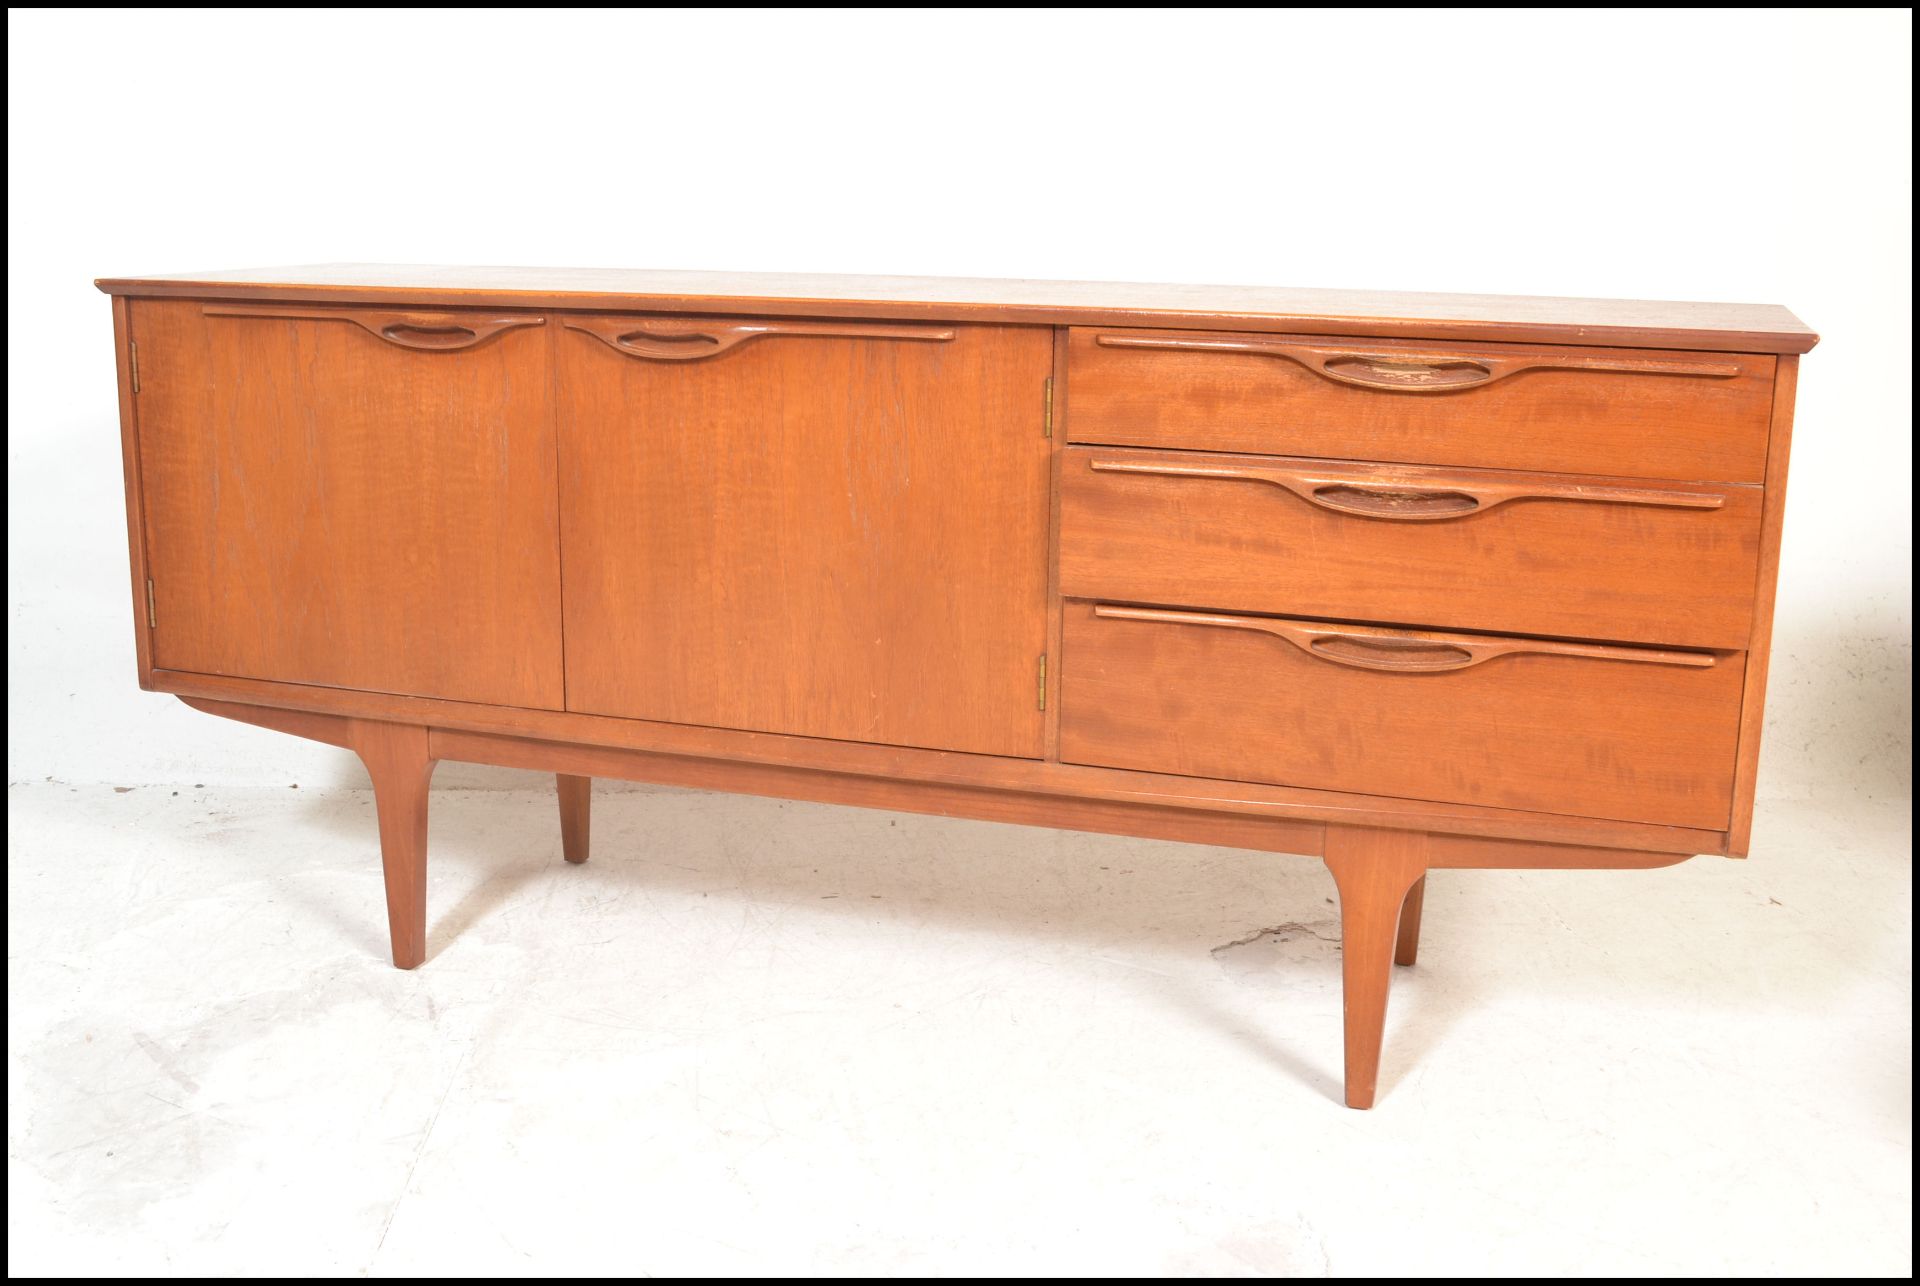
(1406, 948)
(576, 816)
(396, 758)
(1375, 870)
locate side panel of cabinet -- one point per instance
(831, 531)
(353, 499)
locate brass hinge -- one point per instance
(133, 363)
(150, 620)
(1043, 677)
(1046, 429)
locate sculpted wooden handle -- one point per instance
(1409, 493)
(430, 332)
(1413, 372)
(1404, 651)
(688, 339)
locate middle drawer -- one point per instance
(1481, 549)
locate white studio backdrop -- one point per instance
(1758, 156)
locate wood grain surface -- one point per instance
(829, 536)
(576, 816)
(1633, 323)
(130, 469)
(1027, 803)
(945, 799)
(1376, 872)
(1404, 581)
(400, 765)
(1753, 704)
(904, 770)
(325, 506)
(1632, 424)
(1511, 552)
(1406, 946)
(1556, 731)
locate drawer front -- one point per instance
(1518, 553)
(1630, 734)
(1637, 413)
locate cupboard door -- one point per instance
(829, 529)
(352, 497)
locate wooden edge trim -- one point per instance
(984, 803)
(1054, 409)
(1431, 651)
(1484, 489)
(693, 339)
(1267, 834)
(1753, 695)
(937, 767)
(1440, 329)
(335, 730)
(135, 484)
(1475, 852)
(1413, 372)
(430, 332)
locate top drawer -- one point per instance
(1637, 413)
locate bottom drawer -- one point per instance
(1635, 734)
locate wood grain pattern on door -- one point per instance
(828, 530)
(351, 497)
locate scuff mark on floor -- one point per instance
(165, 1062)
(1280, 933)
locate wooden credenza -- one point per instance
(1403, 582)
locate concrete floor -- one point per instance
(764, 1037)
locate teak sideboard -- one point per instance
(1405, 582)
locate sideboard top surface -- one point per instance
(1627, 323)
